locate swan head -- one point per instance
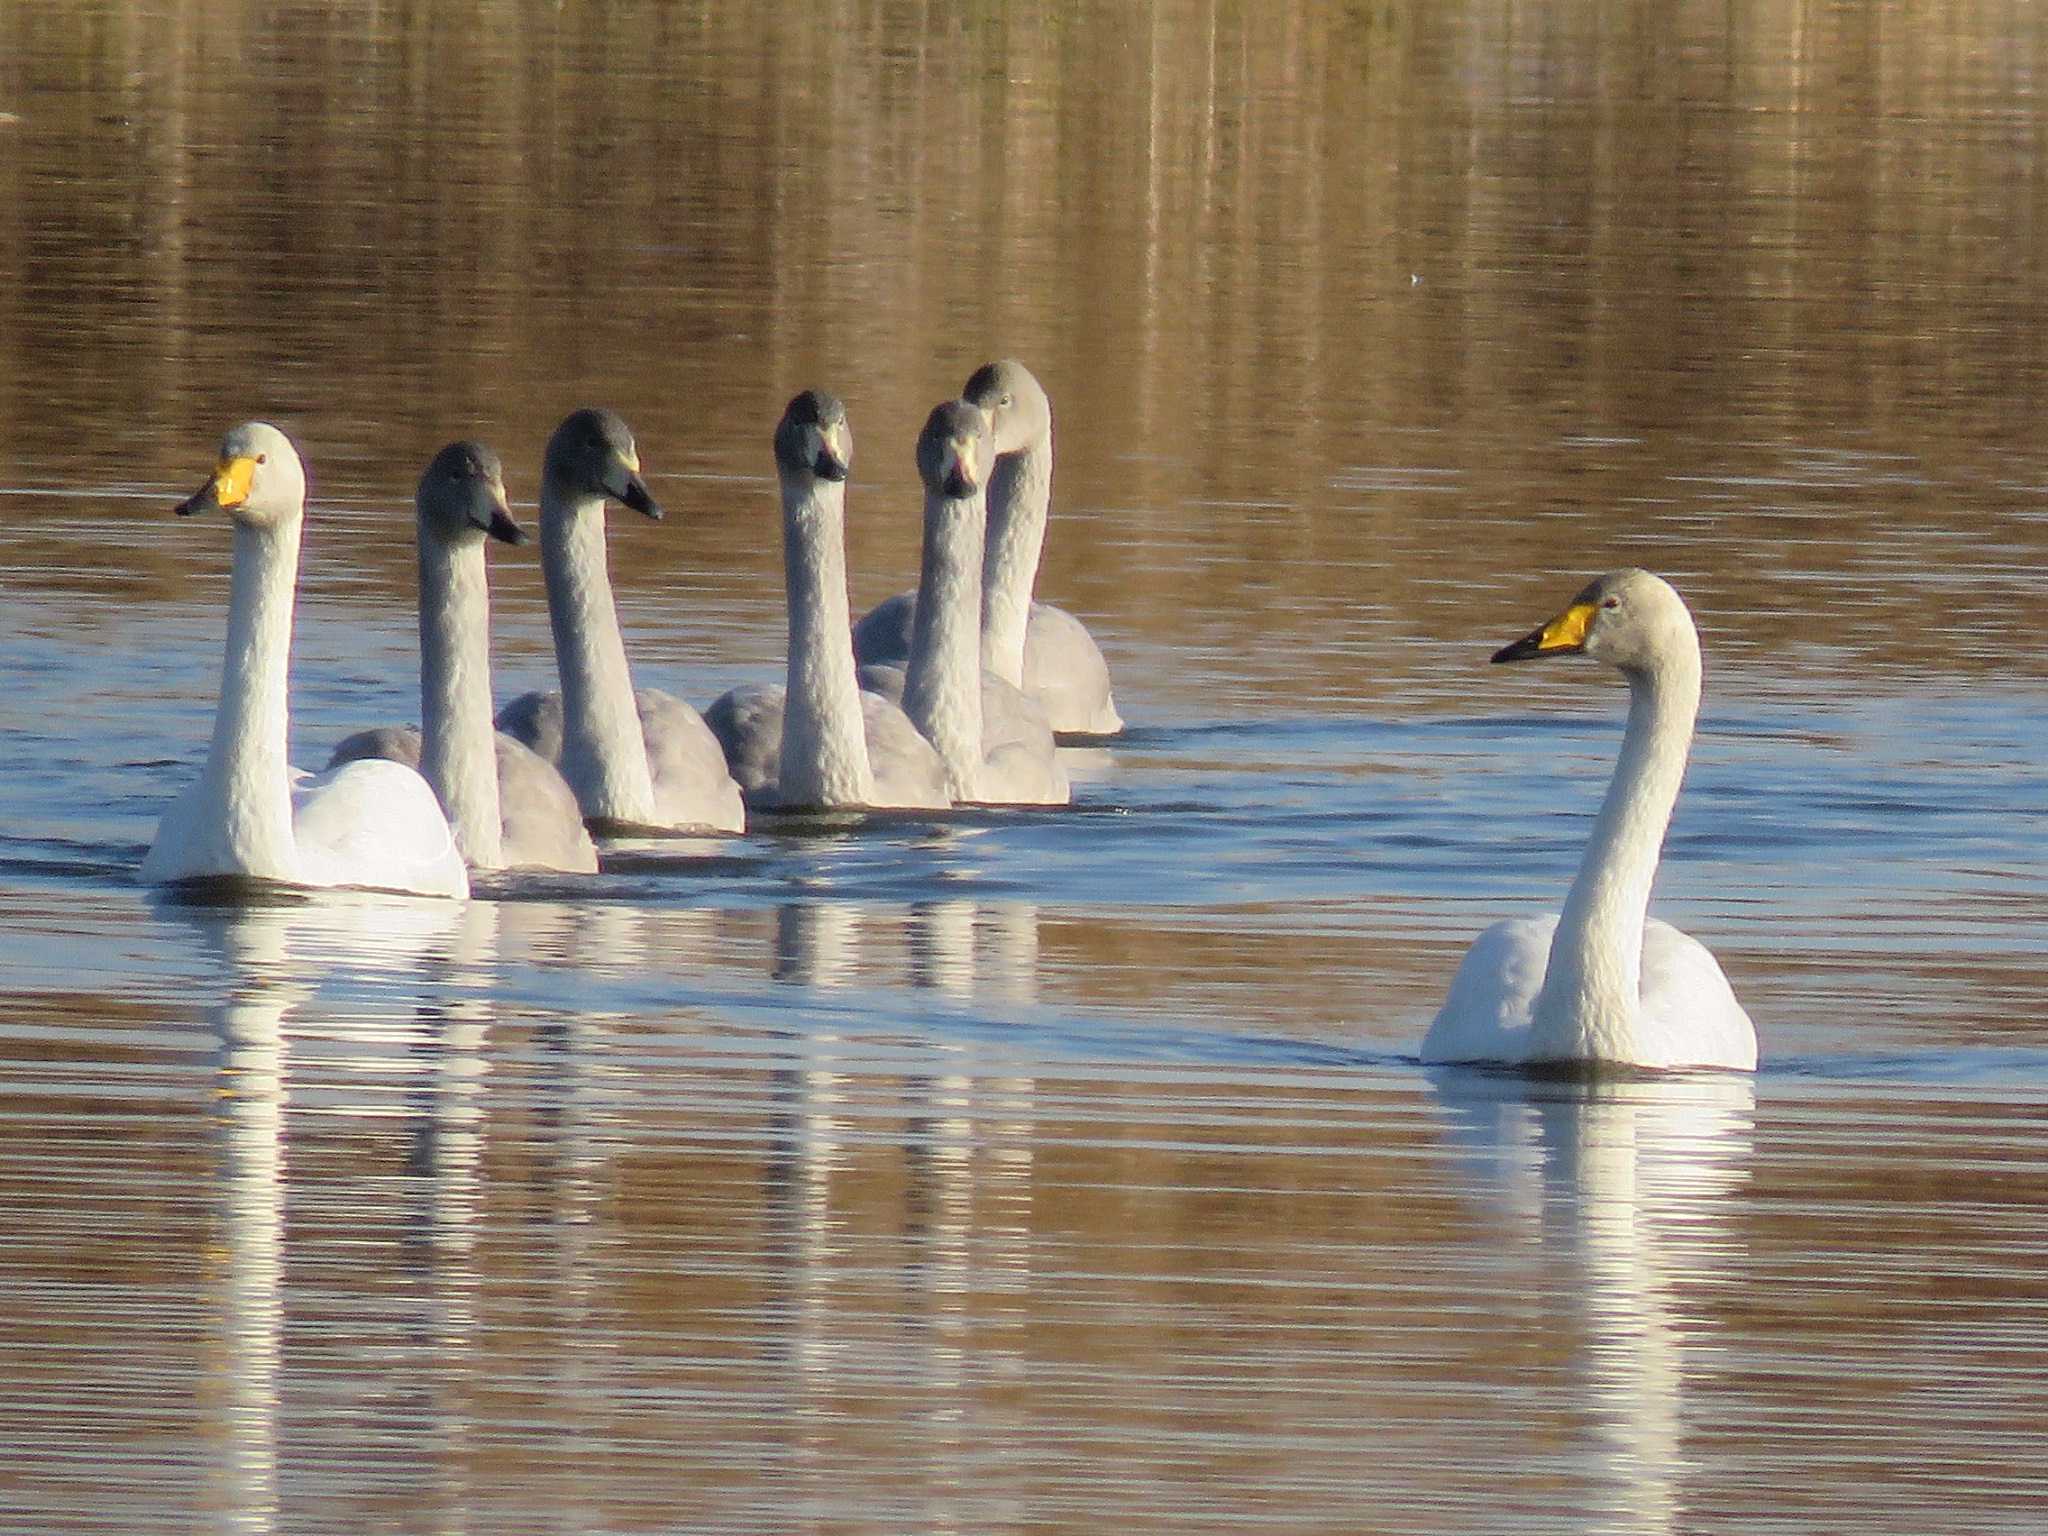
(1019, 414)
(462, 496)
(592, 454)
(953, 451)
(260, 480)
(813, 439)
(1630, 619)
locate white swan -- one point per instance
(641, 758)
(1033, 646)
(372, 824)
(1603, 982)
(995, 743)
(509, 806)
(819, 740)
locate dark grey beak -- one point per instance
(635, 494)
(503, 529)
(498, 523)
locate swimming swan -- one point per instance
(636, 758)
(994, 742)
(1033, 646)
(509, 807)
(373, 824)
(1603, 982)
(819, 740)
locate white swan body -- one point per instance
(999, 752)
(1043, 651)
(508, 806)
(819, 741)
(370, 824)
(635, 758)
(1601, 982)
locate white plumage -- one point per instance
(369, 824)
(1602, 982)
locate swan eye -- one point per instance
(1612, 602)
(262, 458)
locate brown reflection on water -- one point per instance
(1376, 325)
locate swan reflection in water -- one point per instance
(916, 1119)
(380, 962)
(1631, 1184)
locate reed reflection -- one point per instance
(1629, 1185)
(393, 972)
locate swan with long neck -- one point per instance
(509, 807)
(637, 759)
(996, 746)
(819, 741)
(370, 824)
(1043, 651)
(1603, 982)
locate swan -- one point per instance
(636, 758)
(1043, 650)
(819, 740)
(509, 806)
(372, 824)
(995, 743)
(1603, 982)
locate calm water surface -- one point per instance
(1062, 1172)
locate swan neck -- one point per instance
(824, 758)
(1019, 498)
(604, 754)
(458, 749)
(247, 782)
(1591, 998)
(942, 680)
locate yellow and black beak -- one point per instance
(228, 488)
(1560, 637)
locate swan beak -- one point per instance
(1560, 637)
(630, 490)
(834, 459)
(502, 528)
(963, 472)
(228, 488)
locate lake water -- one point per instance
(1071, 1171)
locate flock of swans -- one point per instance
(952, 694)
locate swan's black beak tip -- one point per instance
(502, 528)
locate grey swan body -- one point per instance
(637, 759)
(509, 807)
(1603, 983)
(1043, 651)
(250, 815)
(819, 741)
(996, 745)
